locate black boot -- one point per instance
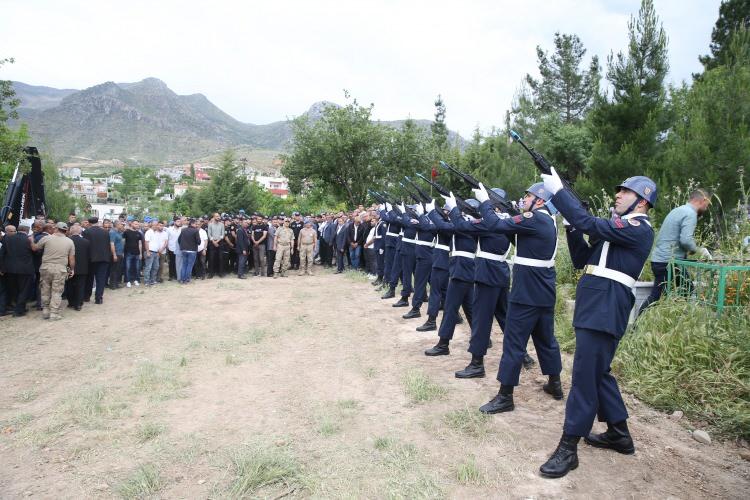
(402, 302)
(489, 344)
(616, 438)
(564, 459)
(428, 326)
(501, 403)
(389, 294)
(377, 282)
(554, 387)
(460, 320)
(413, 313)
(528, 361)
(439, 349)
(475, 369)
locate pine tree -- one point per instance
(733, 14)
(438, 127)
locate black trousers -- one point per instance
(241, 264)
(326, 253)
(115, 272)
(19, 288)
(270, 259)
(74, 288)
(172, 265)
(98, 273)
(295, 258)
(213, 255)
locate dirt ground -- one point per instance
(297, 387)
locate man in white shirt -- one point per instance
(156, 240)
(173, 249)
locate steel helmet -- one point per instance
(539, 191)
(473, 203)
(500, 192)
(642, 186)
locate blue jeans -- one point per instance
(188, 260)
(354, 254)
(151, 268)
(132, 267)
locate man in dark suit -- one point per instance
(101, 251)
(357, 236)
(327, 240)
(341, 243)
(75, 286)
(17, 268)
(242, 247)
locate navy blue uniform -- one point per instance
(391, 261)
(439, 272)
(408, 254)
(613, 258)
(532, 299)
(460, 292)
(379, 246)
(491, 282)
(423, 243)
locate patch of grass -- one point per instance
(383, 443)
(254, 336)
(16, 422)
(468, 472)
(183, 362)
(348, 404)
(468, 421)
(26, 396)
(681, 356)
(92, 404)
(370, 372)
(159, 382)
(328, 426)
(148, 431)
(257, 466)
(406, 477)
(229, 285)
(564, 331)
(356, 276)
(420, 389)
(232, 360)
(143, 482)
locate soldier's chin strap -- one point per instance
(632, 206)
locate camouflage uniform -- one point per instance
(306, 250)
(284, 241)
(54, 272)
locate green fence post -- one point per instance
(722, 291)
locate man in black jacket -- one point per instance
(17, 269)
(242, 247)
(100, 257)
(75, 286)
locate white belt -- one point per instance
(395, 235)
(459, 253)
(408, 240)
(423, 243)
(491, 256)
(442, 247)
(525, 261)
(603, 271)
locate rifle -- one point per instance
(544, 167)
(416, 198)
(496, 199)
(425, 197)
(465, 207)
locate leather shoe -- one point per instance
(389, 294)
(98, 301)
(528, 361)
(499, 404)
(77, 308)
(617, 438)
(475, 369)
(402, 302)
(428, 325)
(554, 389)
(563, 460)
(438, 350)
(413, 313)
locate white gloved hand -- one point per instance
(552, 181)
(419, 209)
(381, 207)
(703, 252)
(480, 193)
(450, 201)
(402, 207)
(430, 206)
(388, 206)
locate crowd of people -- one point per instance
(460, 253)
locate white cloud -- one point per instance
(264, 61)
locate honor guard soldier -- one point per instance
(379, 245)
(393, 246)
(460, 291)
(423, 263)
(439, 273)
(612, 260)
(408, 257)
(531, 305)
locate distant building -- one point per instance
(70, 172)
(276, 185)
(107, 210)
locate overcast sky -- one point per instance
(267, 61)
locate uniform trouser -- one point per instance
(74, 288)
(523, 321)
(281, 264)
(241, 264)
(460, 294)
(389, 255)
(306, 257)
(594, 390)
(270, 259)
(115, 274)
(98, 273)
(381, 263)
(396, 273)
(214, 259)
(408, 263)
(371, 261)
(20, 288)
(421, 277)
(259, 259)
(438, 290)
(52, 284)
(489, 301)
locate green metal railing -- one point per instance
(719, 285)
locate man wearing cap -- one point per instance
(283, 244)
(307, 239)
(612, 260)
(531, 305)
(296, 226)
(58, 264)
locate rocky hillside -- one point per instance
(143, 122)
